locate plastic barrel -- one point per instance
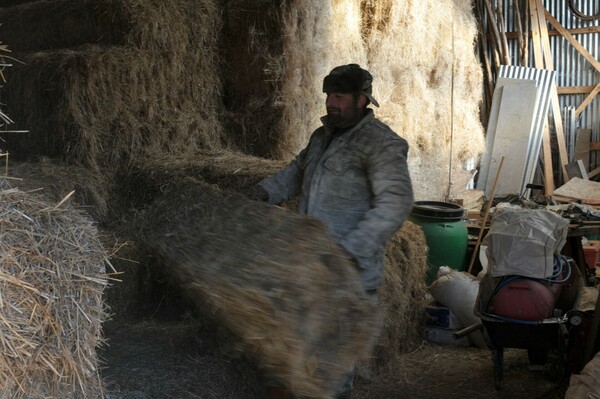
(445, 232)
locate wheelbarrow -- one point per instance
(537, 325)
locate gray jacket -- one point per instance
(358, 185)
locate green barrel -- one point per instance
(445, 232)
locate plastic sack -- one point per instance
(586, 384)
(524, 242)
(458, 291)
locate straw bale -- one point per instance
(102, 106)
(409, 47)
(403, 292)
(99, 105)
(429, 84)
(251, 44)
(271, 276)
(52, 276)
(151, 25)
(54, 180)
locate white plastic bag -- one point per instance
(524, 242)
(458, 291)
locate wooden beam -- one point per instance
(594, 173)
(554, 32)
(595, 146)
(539, 63)
(587, 100)
(558, 125)
(547, 154)
(575, 89)
(572, 40)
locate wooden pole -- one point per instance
(485, 216)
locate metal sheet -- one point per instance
(572, 69)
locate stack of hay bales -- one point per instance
(109, 80)
(52, 275)
(273, 277)
(426, 77)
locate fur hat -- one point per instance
(350, 78)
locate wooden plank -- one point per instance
(582, 146)
(593, 173)
(492, 125)
(577, 188)
(547, 154)
(588, 100)
(582, 50)
(574, 89)
(554, 32)
(556, 115)
(535, 35)
(539, 63)
(511, 141)
(595, 146)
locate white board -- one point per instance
(511, 136)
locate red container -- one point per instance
(590, 251)
(525, 299)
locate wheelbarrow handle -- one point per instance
(467, 330)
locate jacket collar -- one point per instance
(369, 116)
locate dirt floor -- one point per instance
(185, 359)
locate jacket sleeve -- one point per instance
(392, 201)
(287, 183)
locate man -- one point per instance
(352, 175)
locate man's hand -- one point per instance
(257, 193)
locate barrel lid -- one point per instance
(438, 210)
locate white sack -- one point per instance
(458, 291)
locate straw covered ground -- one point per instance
(273, 277)
(52, 276)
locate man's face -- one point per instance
(344, 109)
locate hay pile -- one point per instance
(403, 292)
(52, 275)
(273, 277)
(154, 88)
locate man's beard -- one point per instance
(338, 118)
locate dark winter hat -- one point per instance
(349, 78)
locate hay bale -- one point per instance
(411, 79)
(403, 291)
(54, 180)
(99, 106)
(151, 25)
(272, 277)
(52, 276)
(437, 111)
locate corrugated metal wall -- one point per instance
(572, 69)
